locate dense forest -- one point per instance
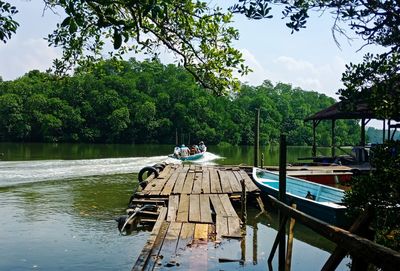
(375, 136)
(147, 102)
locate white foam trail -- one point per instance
(207, 159)
(17, 172)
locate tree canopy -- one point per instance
(146, 102)
(199, 35)
(376, 79)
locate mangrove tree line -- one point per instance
(147, 102)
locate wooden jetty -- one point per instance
(195, 214)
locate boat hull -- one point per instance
(329, 211)
(193, 157)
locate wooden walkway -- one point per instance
(197, 210)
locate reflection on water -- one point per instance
(67, 225)
(54, 216)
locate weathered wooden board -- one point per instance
(205, 209)
(215, 183)
(173, 204)
(197, 182)
(201, 232)
(180, 181)
(183, 209)
(221, 226)
(144, 255)
(154, 254)
(168, 250)
(194, 208)
(217, 205)
(188, 185)
(186, 236)
(226, 203)
(205, 182)
(170, 184)
(234, 227)
(235, 185)
(250, 186)
(225, 184)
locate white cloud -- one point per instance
(324, 78)
(20, 56)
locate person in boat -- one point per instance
(177, 152)
(194, 149)
(185, 152)
(202, 147)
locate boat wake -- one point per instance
(20, 172)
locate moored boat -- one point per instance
(320, 201)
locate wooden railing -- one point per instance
(347, 242)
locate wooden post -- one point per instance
(257, 138)
(243, 250)
(362, 143)
(388, 133)
(282, 198)
(333, 139)
(262, 160)
(255, 246)
(314, 145)
(380, 256)
(290, 242)
(243, 210)
(383, 131)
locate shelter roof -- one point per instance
(338, 111)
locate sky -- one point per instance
(309, 59)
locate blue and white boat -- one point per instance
(317, 200)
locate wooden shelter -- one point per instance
(339, 111)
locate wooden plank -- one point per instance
(170, 184)
(188, 185)
(173, 204)
(250, 186)
(221, 226)
(201, 232)
(215, 183)
(183, 209)
(180, 181)
(234, 182)
(186, 236)
(168, 250)
(217, 204)
(154, 255)
(205, 209)
(234, 227)
(157, 186)
(197, 182)
(226, 186)
(205, 182)
(165, 173)
(194, 208)
(144, 255)
(226, 203)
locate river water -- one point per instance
(58, 203)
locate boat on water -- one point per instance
(317, 200)
(192, 157)
(183, 153)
